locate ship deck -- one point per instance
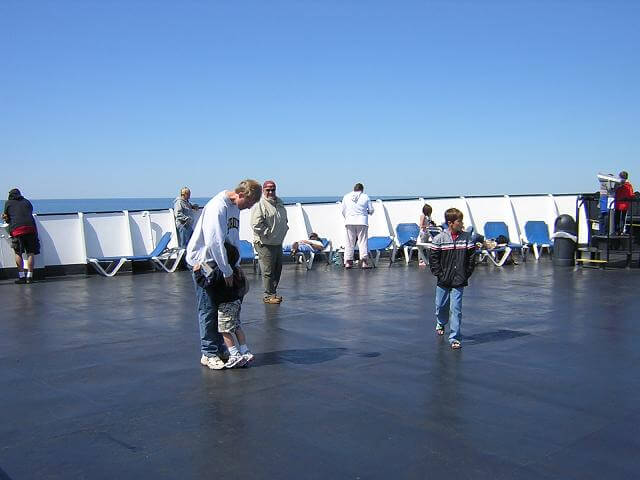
(100, 378)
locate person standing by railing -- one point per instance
(183, 211)
(18, 213)
(624, 193)
(356, 208)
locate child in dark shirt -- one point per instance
(451, 261)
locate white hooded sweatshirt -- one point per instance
(356, 208)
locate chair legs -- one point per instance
(110, 270)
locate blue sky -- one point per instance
(138, 98)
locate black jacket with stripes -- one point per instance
(452, 262)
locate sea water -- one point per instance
(72, 205)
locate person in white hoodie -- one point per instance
(356, 208)
(207, 255)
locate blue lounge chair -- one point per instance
(248, 253)
(307, 255)
(537, 233)
(407, 235)
(377, 245)
(499, 255)
(159, 257)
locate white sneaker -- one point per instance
(248, 358)
(214, 363)
(235, 361)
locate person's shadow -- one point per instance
(308, 356)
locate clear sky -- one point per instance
(137, 98)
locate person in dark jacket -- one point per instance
(18, 213)
(451, 261)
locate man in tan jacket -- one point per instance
(270, 225)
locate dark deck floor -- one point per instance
(100, 378)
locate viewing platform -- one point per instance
(100, 378)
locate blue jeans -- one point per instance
(210, 339)
(449, 308)
(184, 234)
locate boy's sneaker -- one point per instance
(235, 361)
(248, 358)
(214, 363)
(20, 281)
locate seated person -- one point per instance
(425, 223)
(313, 244)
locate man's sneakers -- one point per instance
(235, 361)
(248, 357)
(214, 363)
(272, 299)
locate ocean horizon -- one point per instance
(74, 205)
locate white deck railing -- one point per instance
(68, 239)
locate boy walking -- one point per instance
(451, 261)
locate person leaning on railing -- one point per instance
(18, 213)
(183, 211)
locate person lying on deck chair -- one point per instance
(313, 244)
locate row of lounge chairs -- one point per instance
(406, 239)
(537, 239)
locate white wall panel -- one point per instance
(441, 205)
(534, 208)
(403, 211)
(492, 209)
(162, 221)
(60, 240)
(106, 234)
(141, 233)
(326, 220)
(379, 222)
(6, 253)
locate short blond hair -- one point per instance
(250, 189)
(184, 190)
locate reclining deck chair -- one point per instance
(407, 235)
(537, 233)
(493, 230)
(307, 255)
(159, 258)
(377, 245)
